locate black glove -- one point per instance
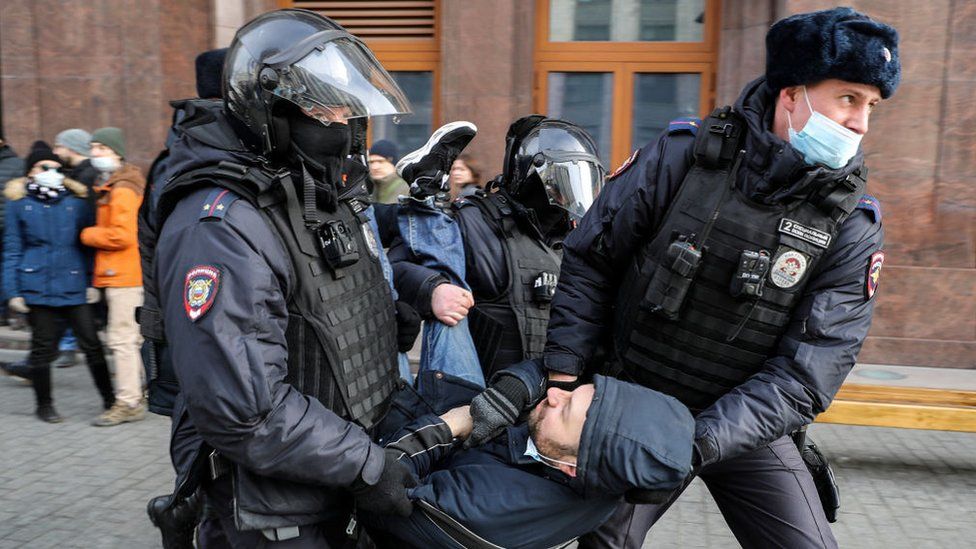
(408, 325)
(176, 520)
(496, 408)
(389, 495)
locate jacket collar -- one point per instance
(775, 171)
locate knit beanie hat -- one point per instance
(75, 139)
(836, 43)
(386, 149)
(40, 151)
(111, 138)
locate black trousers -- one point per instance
(47, 326)
(766, 496)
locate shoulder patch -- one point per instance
(217, 203)
(874, 273)
(684, 124)
(872, 206)
(623, 167)
(200, 290)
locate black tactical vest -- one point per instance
(527, 256)
(708, 297)
(341, 331)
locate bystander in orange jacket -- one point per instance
(114, 234)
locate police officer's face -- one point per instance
(556, 423)
(847, 103)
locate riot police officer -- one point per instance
(281, 325)
(512, 234)
(734, 262)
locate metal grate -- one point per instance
(380, 19)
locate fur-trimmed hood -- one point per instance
(17, 188)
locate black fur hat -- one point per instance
(838, 43)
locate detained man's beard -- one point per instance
(546, 445)
(535, 417)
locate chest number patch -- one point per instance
(788, 269)
(200, 290)
(808, 234)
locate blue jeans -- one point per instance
(403, 361)
(434, 241)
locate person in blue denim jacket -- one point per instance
(486, 269)
(47, 272)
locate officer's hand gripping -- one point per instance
(18, 305)
(497, 408)
(408, 326)
(389, 495)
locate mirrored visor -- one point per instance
(572, 183)
(339, 80)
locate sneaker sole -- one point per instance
(434, 139)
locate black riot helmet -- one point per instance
(309, 61)
(558, 155)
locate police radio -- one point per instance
(338, 245)
(672, 279)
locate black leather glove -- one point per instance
(176, 520)
(408, 325)
(389, 495)
(496, 408)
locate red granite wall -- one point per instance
(66, 63)
(921, 149)
(486, 69)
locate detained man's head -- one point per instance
(556, 426)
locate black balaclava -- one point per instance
(553, 221)
(322, 151)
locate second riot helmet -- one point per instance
(556, 154)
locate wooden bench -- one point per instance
(905, 407)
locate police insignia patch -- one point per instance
(370, 239)
(200, 290)
(623, 167)
(788, 269)
(874, 273)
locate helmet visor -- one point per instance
(572, 181)
(339, 80)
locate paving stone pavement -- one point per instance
(74, 485)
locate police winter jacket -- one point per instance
(43, 260)
(826, 330)
(231, 361)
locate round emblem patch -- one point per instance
(788, 269)
(370, 239)
(200, 290)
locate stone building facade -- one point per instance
(65, 63)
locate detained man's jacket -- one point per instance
(828, 326)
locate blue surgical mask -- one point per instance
(823, 141)
(533, 452)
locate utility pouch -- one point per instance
(338, 245)
(672, 278)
